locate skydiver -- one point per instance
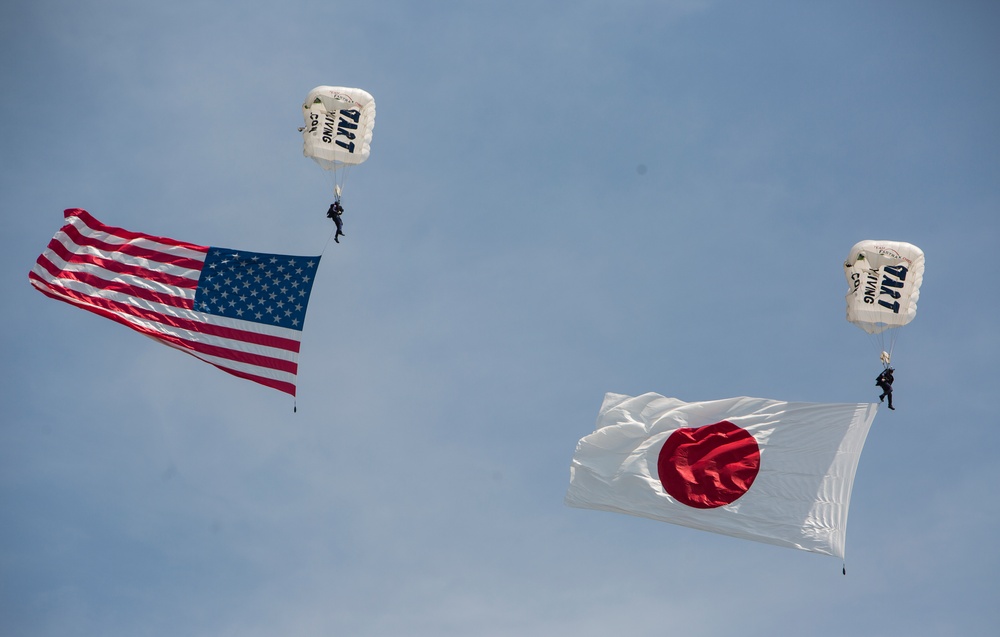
(884, 381)
(334, 213)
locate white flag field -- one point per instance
(758, 469)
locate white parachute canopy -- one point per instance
(883, 279)
(338, 128)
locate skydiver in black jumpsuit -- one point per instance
(334, 213)
(884, 381)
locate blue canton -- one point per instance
(251, 286)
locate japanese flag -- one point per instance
(752, 468)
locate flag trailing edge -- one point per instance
(240, 311)
(764, 470)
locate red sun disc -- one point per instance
(708, 467)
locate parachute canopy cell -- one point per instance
(883, 279)
(338, 126)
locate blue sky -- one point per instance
(563, 199)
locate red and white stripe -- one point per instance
(148, 283)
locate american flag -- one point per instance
(240, 311)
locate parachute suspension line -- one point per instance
(886, 345)
(332, 177)
(878, 344)
(338, 177)
(876, 341)
(892, 342)
(883, 343)
(339, 188)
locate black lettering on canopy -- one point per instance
(887, 285)
(890, 286)
(894, 306)
(870, 283)
(352, 114)
(347, 123)
(328, 125)
(898, 271)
